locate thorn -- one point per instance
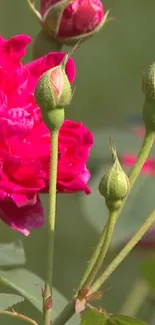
(48, 303)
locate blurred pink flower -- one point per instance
(128, 160)
(78, 18)
(139, 131)
(25, 140)
(148, 241)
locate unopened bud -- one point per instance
(70, 21)
(53, 93)
(114, 185)
(148, 82)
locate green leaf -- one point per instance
(92, 316)
(28, 285)
(148, 271)
(137, 207)
(9, 300)
(125, 320)
(12, 254)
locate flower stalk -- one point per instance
(123, 254)
(100, 253)
(135, 171)
(51, 227)
(141, 158)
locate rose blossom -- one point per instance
(79, 18)
(25, 140)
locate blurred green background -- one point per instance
(108, 90)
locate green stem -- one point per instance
(132, 305)
(66, 314)
(51, 226)
(101, 251)
(13, 314)
(135, 171)
(142, 156)
(123, 254)
(93, 260)
(43, 44)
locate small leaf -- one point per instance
(12, 253)
(148, 271)
(9, 300)
(92, 316)
(125, 320)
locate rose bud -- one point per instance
(52, 94)
(114, 185)
(69, 21)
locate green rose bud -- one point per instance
(114, 185)
(52, 94)
(148, 83)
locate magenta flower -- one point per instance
(138, 132)
(77, 20)
(25, 140)
(129, 160)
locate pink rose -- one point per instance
(80, 18)
(25, 140)
(75, 142)
(129, 159)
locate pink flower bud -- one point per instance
(53, 93)
(72, 20)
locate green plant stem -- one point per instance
(51, 226)
(101, 250)
(123, 254)
(142, 156)
(135, 171)
(92, 267)
(93, 260)
(135, 299)
(66, 314)
(18, 316)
